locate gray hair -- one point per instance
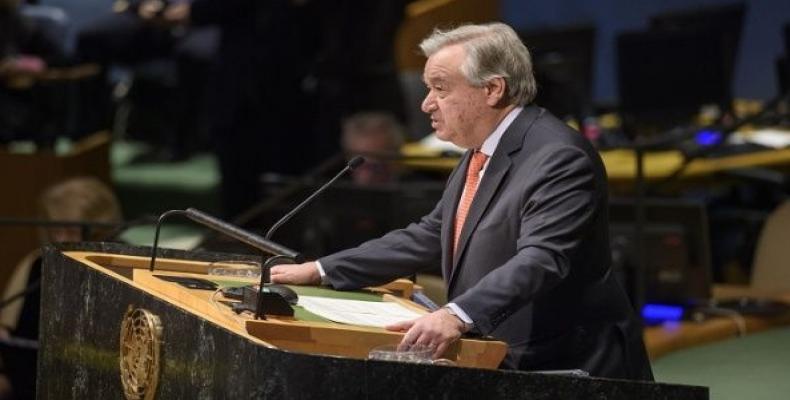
(492, 50)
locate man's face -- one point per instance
(455, 106)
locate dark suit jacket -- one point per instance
(533, 262)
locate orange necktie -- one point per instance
(470, 188)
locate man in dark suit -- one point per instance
(524, 242)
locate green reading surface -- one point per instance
(300, 313)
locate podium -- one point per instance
(109, 329)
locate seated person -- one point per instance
(82, 199)
(378, 137)
(171, 65)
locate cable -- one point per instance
(224, 310)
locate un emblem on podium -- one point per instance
(141, 338)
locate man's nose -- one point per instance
(428, 104)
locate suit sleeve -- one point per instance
(397, 254)
(557, 213)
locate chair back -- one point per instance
(9, 315)
(771, 267)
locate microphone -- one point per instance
(263, 244)
(353, 163)
(233, 231)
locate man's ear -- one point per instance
(496, 89)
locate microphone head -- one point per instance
(355, 162)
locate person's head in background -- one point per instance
(84, 199)
(378, 137)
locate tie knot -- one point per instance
(477, 162)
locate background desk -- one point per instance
(621, 163)
(673, 337)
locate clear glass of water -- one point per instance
(235, 269)
(414, 354)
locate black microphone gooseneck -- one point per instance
(155, 245)
(353, 163)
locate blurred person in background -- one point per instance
(25, 53)
(354, 69)
(378, 137)
(81, 200)
(259, 112)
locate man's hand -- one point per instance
(296, 274)
(436, 330)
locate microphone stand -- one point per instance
(266, 277)
(155, 245)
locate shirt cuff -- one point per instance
(324, 279)
(460, 313)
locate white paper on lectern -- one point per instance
(356, 312)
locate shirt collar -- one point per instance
(491, 143)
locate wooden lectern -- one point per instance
(109, 329)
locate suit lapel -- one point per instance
(495, 173)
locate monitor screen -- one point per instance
(676, 248)
(562, 59)
(665, 77)
(727, 17)
(684, 61)
(726, 21)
